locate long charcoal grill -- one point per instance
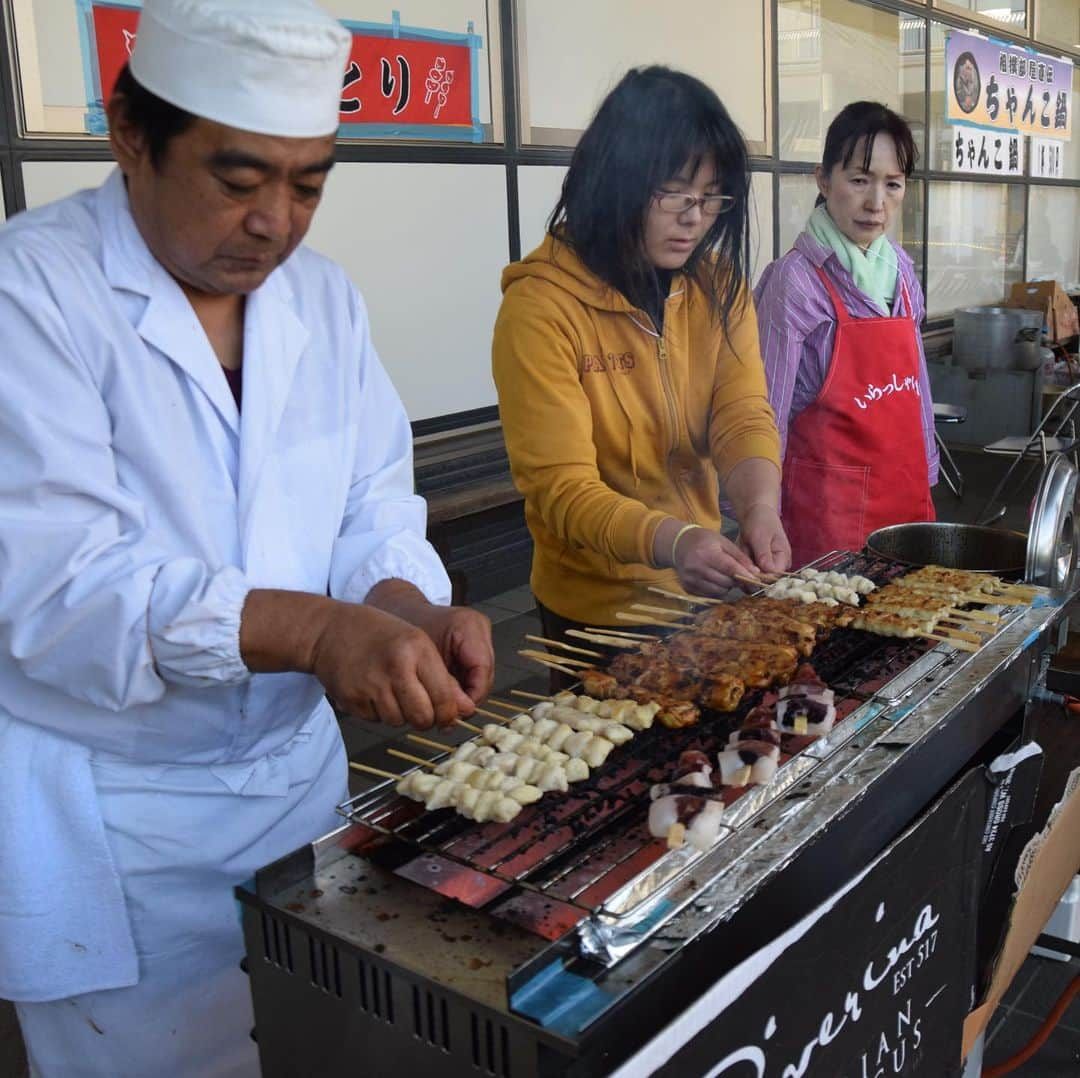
(574, 897)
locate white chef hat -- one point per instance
(274, 67)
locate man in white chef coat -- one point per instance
(207, 522)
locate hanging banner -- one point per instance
(1047, 159)
(400, 81)
(1007, 87)
(995, 153)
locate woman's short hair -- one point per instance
(158, 120)
(651, 126)
(866, 120)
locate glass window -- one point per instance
(1054, 235)
(799, 193)
(1057, 22)
(833, 52)
(62, 59)
(572, 53)
(975, 244)
(1010, 13)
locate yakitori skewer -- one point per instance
(467, 725)
(617, 632)
(490, 714)
(508, 704)
(564, 646)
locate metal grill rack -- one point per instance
(588, 852)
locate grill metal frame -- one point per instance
(921, 729)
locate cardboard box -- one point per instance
(1046, 868)
(1059, 315)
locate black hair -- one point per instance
(158, 120)
(645, 132)
(866, 120)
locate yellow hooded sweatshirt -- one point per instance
(612, 428)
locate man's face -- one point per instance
(224, 207)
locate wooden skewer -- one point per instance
(541, 658)
(757, 581)
(528, 695)
(566, 661)
(490, 715)
(660, 610)
(567, 647)
(981, 615)
(375, 771)
(469, 726)
(622, 615)
(412, 759)
(607, 641)
(429, 743)
(693, 600)
(508, 704)
(960, 634)
(603, 631)
(960, 645)
(975, 629)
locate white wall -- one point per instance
(425, 244)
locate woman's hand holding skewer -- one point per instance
(707, 563)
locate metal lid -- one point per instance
(1052, 539)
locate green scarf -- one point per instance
(874, 269)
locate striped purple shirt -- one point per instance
(797, 325)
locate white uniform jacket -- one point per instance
(137, 509)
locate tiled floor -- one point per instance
(513, 614)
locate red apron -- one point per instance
(856, 458)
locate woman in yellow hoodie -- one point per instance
(627, 364)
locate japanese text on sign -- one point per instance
(1047, 158)
(1007, 87)
(399, 81)
(974, 149)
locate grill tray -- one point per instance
(587, 854)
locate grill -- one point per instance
(473, 963)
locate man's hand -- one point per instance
(463, 636)
(374, 665)
(709, 564)
(761, 535)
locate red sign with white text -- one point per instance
(389, 81)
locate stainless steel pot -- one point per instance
(956, 546)
(993, 337)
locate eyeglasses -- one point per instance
(677, 202)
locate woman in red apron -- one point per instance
(839, 321)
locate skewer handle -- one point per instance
(607, 641)
(564, 646)
(469, 726)
(493, 715)
(412, 759)
(603, 631)
(375, 771)
(622, 615)
(528, 653)
(693, 600)
(960, 645)
(543, 659)
(429, 743)
(504, 703)
(528, 695)
(659, 610)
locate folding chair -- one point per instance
(1056, 433)
(949, 469)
